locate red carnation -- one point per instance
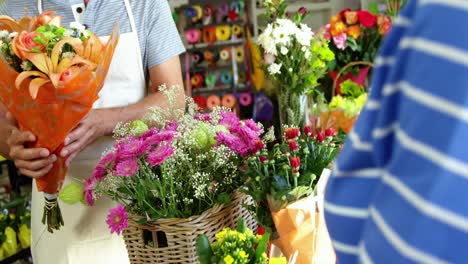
(308, 130)
(263, 159)
(291, 133)
(367, 19)
(293, 146)
(295, 162)
(259, 145)
(320, 137)
(330, 132)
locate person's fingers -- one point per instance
(35, 164)
(18, 137)
(21, 153)
(38, 173)
(71, 157)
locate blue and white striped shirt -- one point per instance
(157, 33)
(399, 191)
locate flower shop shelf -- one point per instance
(203, 46)
(231, 23)
(220, 88)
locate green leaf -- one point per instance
(300, 192)
(241, 226)
(262, 246)
(223, 198)
(204, 250)
(374, 8)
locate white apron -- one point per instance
(85, 238)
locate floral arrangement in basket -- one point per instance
(355, 36)
(235, 246)
(282, 183)
(342, 111)
(295, 58)
(51, 76)
(172, 165)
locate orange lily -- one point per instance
(51, 70)
(30, 24)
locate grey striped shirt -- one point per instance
(158, 35)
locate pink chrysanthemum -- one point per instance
(90, 184)
(162, 136)
(99, 173)
(149, 133)
(173, 126)
(132, 149)
(233, 142)
(159, 155)
(253, 126)
(127, 167)
(117, 219)
(229, 119)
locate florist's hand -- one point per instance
(90, 128)
(31, 162)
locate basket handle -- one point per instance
(349, 65)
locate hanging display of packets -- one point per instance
(223, 12)
(210, 80)
(213, 101)
(192, 36)
(197, 57)
(197, 80)
(223, 33)
(240, 54)
(209, 35)
(245, 99)
(226, 77)
(237, 31)
(228, 101)
(208, 13)
(200, 101)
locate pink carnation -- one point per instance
(117, 219)
(99, 173)
(159, 155)
(229, 119)
(340, 41)
(127, 167)
(253, 126)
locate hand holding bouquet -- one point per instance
(51, 76)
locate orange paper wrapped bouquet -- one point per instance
(51, 77)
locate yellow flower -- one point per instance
(278, 261)
(228, 259)
(242, 254)
(242, 237)
(248, 232)
(264, 255)
(259, 237)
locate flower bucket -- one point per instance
(174, 240)
(303, 235)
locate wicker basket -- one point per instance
(173, 240)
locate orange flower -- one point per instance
(385, 24)
(354, 31)
(351, 17)
(46, 18)
(24, 43)
(337, 28)
(335, 19)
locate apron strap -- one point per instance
(130, 16)
(39, 6)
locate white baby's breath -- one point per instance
(284, 50)
(3, 34)
(12, 35)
